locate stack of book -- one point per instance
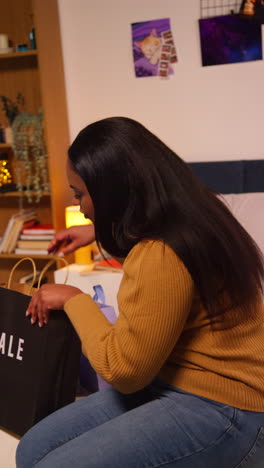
(13, 229)
(35, 240)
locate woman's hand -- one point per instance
(68, 240)
(48, 297)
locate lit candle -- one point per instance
(74, 217)
(3, 41)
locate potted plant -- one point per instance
(11, 109)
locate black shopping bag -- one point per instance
(39, 367)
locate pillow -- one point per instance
(248, 209)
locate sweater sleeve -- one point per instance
(154, 299)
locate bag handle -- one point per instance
(16, 265)
(46, 267)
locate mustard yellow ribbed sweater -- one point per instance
(162, 330)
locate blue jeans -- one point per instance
(160, 426)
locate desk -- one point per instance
(85, 280)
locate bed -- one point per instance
(231, 176)
(241, 184)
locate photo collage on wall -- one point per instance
(230, 32)
(154, 51)
(232, 38)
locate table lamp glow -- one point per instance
(73, 217)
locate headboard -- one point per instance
(231, 176)
(242, 183)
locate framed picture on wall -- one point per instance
(229, 39)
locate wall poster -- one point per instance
(229, 39)
(154, 51)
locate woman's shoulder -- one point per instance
(147, 247)
(150, 255)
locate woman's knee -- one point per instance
(26, 452)
(39, 441)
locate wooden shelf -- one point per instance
(39, 76)
(25, 53)
(17, 194)
(13, 255)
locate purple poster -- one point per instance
(229, 39)
(154, 50)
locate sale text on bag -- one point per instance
(11, 347)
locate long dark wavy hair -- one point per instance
(142, 190)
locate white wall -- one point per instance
(202, 113)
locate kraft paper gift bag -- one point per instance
(39, 367)
(89, 379)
